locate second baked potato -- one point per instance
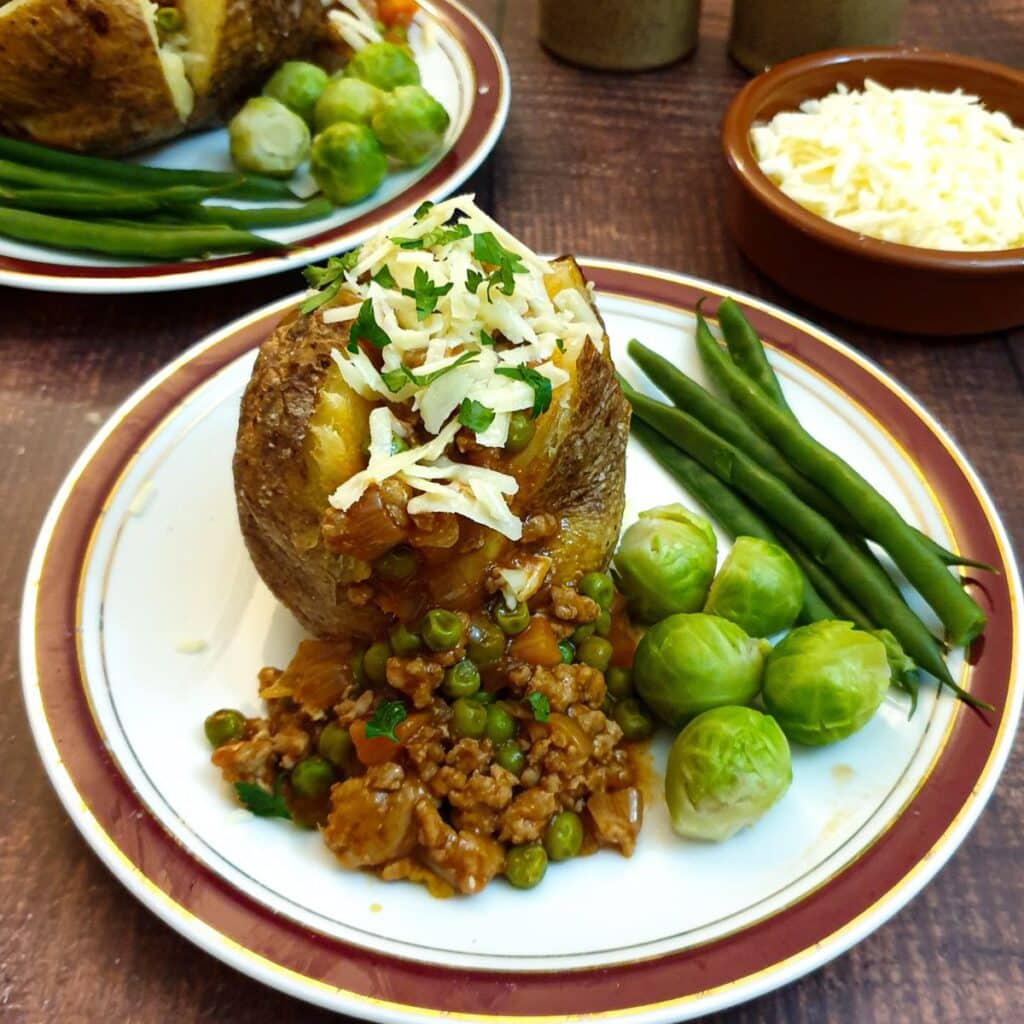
(328, 551)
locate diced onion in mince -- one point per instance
(459, 329)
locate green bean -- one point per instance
(151, 201)
(748, 354)
(38, 177)
(877, 518)
(257, 217)
(824, 543)
(249, 186)
(143, 241)
(733, 514)
(715, 414)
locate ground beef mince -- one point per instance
(419, 764)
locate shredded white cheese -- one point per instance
(926, 168)
(440, 307)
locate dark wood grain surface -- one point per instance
(615, 166)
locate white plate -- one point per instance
(460, 63)
(142, 560)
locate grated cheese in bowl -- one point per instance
(467, 334)
(930, 169)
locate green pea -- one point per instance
(469, 718)
(404, 642)
(397, 564)
(567, 651)
(169, 20)
(514, 621)
(336, 745)
(635, 721)
(224, 726)
(375, 662)
(581, 633)
(501, 726)
(596, 652)
(608, 705)
(525, 865)
(520, 432)
(603, 624)
(511, 758)
(485, 643)
(598, 587)
(563, 837)
(398, 444)
(461, 680)
(482, 697)
(618, 682)
(356, 664)
(312, 776)
(442, 630)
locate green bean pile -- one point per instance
(49, 197)
(752, 453)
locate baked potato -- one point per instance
(232, 46)
(303, 432)
(90, 75)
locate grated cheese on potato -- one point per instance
(443, 358)
(926, 168)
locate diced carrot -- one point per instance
(396, 12)
(373, 749)
(537, 644)
(623, 640)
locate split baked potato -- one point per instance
(89, 75)
(303, 431)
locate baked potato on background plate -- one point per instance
(532, 496)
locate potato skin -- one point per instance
(575, 468)
(83, 75)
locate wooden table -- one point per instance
(616, 166)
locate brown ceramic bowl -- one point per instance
(901, 287)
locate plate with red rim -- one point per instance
(141, 606)
(460, 63)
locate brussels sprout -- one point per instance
(384, 65)
(347, 99)
(666, 562)
(725, 769)
(298, 85)
(267, 138)
(758, 587)
(410, 124)
(687, 664)
(824, 681)
(348, 163)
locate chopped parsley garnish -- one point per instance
(541, 706)
(423, 209)
(436, 236)
(485, 338)
(397, 378)
(384, 278)
(559, 343)
(426, 293)
(475, 415)
(473, 280)
(537, 381)
(388, 715)
(328, 279)
(365, 327)
(261, 803)
(488, 250)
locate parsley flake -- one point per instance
(261, 803)
(384, 278)
(426, 293)
(397, 378)
(365, 327)
(423, 209)
(473, 280)
(537, 381)
(541, 706)
(475, 415)
(388, 715)
(485, 338)
(328, 279)
(489, 251)
(559, 343)
(435, 237)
